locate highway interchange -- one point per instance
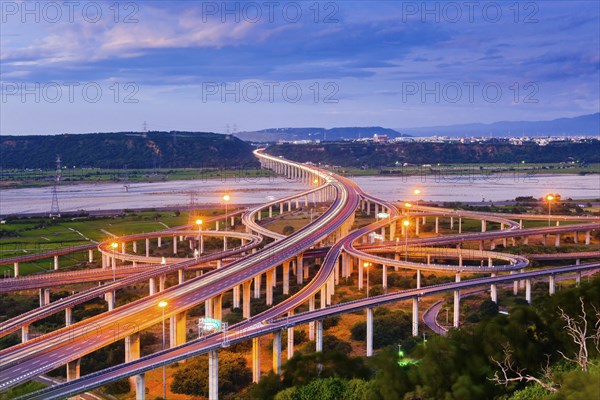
(264, 255)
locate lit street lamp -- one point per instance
(367, 265)
(226, 199)
(417, 192)
(162, 304)
(549, 198)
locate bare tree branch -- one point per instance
(511, 373)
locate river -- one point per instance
(113, 196)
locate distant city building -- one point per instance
(380, 138)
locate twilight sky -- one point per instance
(186, 65)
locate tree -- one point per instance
(192, 377)
(577, 329)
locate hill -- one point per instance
(322, 134)
(130, 149)
(360, 154)
(588, 125)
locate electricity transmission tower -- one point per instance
(55, 209)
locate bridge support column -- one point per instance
(369, 332)
(290, 338)
(159, 242)
(319, 336)
(578, 278)
(162, 282)
(545, 240)
(255, 360)
(140, 387)
(44, 297)
(528, 290)
(311, 325)
(494, 291)
(286, 277)
(110, 298)
(588, 235)
(217, 304)
(16, 269)
(132, 352)
(90, 256)
(55, 262)
(269, 288)
(456, 316)
(277, 352)
(451, 223)
(73, 369)
(257, 284)
(360, 274)
(175, 245)
(152, 286)
(575, 237)
(419, 275)
(459, 225)
(236, 296)
(24, 333)
(148, 247)
(180, 276)
(177, 327)
(437, 225)
(515, 285)
(415, 316)
(483, 225)
(557, 240)
(213, 375)
(551, 285)
(299, 269)
(246, 299)
(384, 280)
(270, 211)
(68, 316)
(134, 246)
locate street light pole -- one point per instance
(549, 198)
(406, 224)
(366, 265)
(162, 305)
(113, 263)
(200, 247)
(226, 198)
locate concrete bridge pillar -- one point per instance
(162, 282)
(415, 316)
(110, 298)
(90, 256)
(132, 352)
(73, 370)
(147, 247)
(588, 235)
(417, 229)
(277, 352)
(140, 387)
(16, 269)
(55, 262)
(269, 288)
(213, 375)
(152, 286)
(419, 274)
(456, 315)
(369, 332)
(437, 225)
(494, 290)
(24, 333)
(384, 280)
(224, 243)
(217, 303)
(270, 211)
(159, 242)
(451, 223)
(257, 284)
(319, 336)
(255, 360)
(181, 276)
(177, 329)
(483, 225)
(299, 269)
(515, 285)
(175, 245)
(68, 316)
(236, 296)
(311, 325)
(551, 285)
(528, 290)
(459, 225)
(360, 274)
(578, 278)
(290, 338)
(557, 240)
(286, 277)
(575, 237)
(44, 297)
(134, 246)
(246, 299)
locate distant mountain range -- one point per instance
(127, 149)
(322, 134)
(588, 125)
